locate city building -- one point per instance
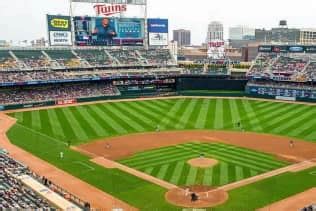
(281, 34)
(241, 33)
(215, 31)
(182, 37)
(308, 36)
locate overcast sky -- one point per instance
(25, 19)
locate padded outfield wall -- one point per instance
(211, 86)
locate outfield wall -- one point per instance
(210, 83)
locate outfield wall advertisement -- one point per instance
(281, 92)
(104, 31)
(286, 49)
(59, 30)
(158, 30)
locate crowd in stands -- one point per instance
(285, 85)
(21, 60)
(7, 62)
(126, 57)
(21, 95)
(157, 56)
(95, 57)
(13, 194)
(284, 67)
(34, 59)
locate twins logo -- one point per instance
(109, 9)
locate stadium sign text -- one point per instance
(109, 9)
(60, 23)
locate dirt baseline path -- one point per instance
(97, 198)
(125, 146)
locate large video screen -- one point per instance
(104, 31)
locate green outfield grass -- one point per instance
(235, 164)
(85, 123)
(45, 133)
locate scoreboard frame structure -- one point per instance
(143, 3)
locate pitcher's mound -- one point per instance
(202, 162)
(206, 197)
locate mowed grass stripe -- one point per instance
(129, 107)
(130, 117)
(77, 129)
(224, 173)
(110, 118)
(165, 104)
(158, 114)
(189, 110)
(161, 160)
(249, 159)
(83, 123)
(191, 176)
(151, 117)
(194, 115)
(210, 114)
(293, 120)
(254, 155)
(65, 125)
(219, 116)
(118, 118)
(57, 128)
(227, 115)
(153, 155)
(162, 171)
(226, 157)
(270, 125)
(305, 124)
(172, 113)
(104, 124)
(46, 126)
(92, 122)
(234, 112)
(177, 172)
(27, 119)
(208, 177)
(36, 121)
(19, 117)
(307, 128)
(272, 111)
(201, 119)
(148, 170)
(239, 173)
(254, 122)
(154, 107)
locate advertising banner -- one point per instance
(59, 30)
(104, 31)
(158, 30)
(287, 49)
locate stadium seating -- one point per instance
(55, 92)
(96, 58)
(284, 67)
(13, 194)
(65, 58)
(160, 57)
(34, 59)
(7, 62)
(126, 57)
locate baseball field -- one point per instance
(47, 132)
